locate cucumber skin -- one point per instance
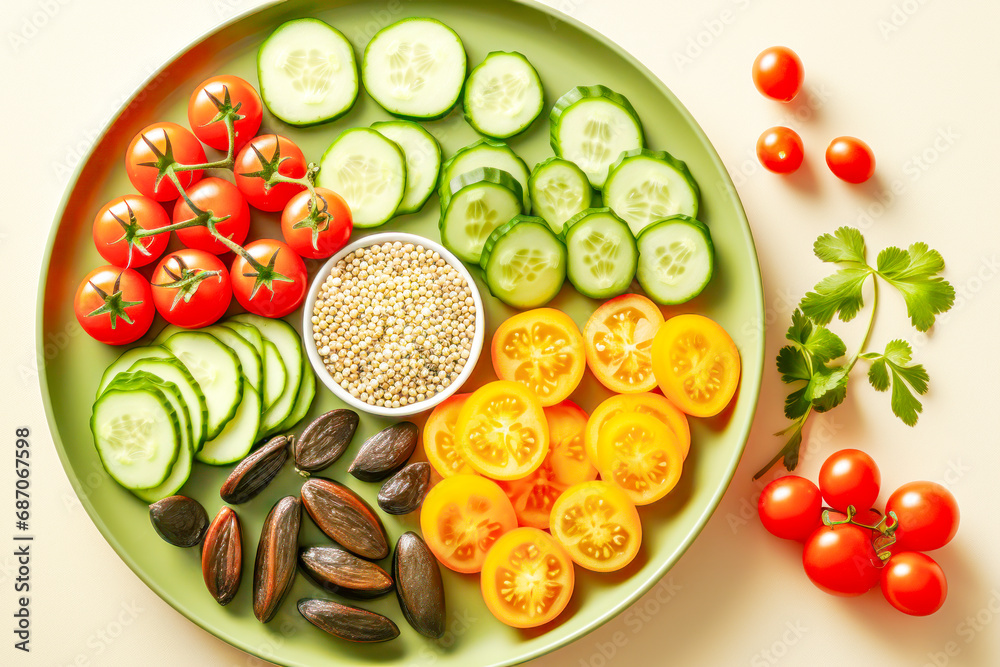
(402, 156)
(465, 104)
(437, 146)
(573, 96)
(252, 320)
(680, 220)
(444, 178)
(663, 156)
(209, 435)
(502, 231)
(539, 168)
(564, 237)
(480, 175)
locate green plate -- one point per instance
(566, 54)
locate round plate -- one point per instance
(566, 54)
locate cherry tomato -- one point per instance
(527, 578)
(118, 221)
(928, 516)
(841, 560)
(619, 339)
(318, 235)
(221, 199)
(220, 94)
(778, 73)
(850, 477)
(644, 403)
(156, 146)
(790, 508)
(641, 455)
(780, 150)
(850, 159)
(598, 526)
(696, 364)
(462, 517)
(191, 288)
(543, 350)
(114, 305)
(914, 583)
(258, 160)
(439, 438)
(274, 289)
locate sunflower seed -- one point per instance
(404, 492)
(338, 571)
(222, 556)
(346, 622)
(325, 440)
(255, 472)
(179, 520)
(419, 588)
(345, 518)
(385, 452)
(274, 569)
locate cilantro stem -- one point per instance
(871, 324)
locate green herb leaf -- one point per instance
(838, 294)
(827, 388)
(913, 273)
(815, 340)
(796, 404)
(893, 368)
(843, 246)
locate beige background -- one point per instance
(916, 78)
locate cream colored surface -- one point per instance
(915, 78)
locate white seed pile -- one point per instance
(394, 323)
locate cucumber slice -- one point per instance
(474, 204)
(216, 369)
(275, 375)
(602, 253)
(524, 263)
(180, 472)
(559, 190)
(503, 95)
(249, 333)
(289, 345)
(304, 400)
(591, 126)
(307, 72)
(644, 186)
(422, 153)
(173, 371)
(129, 357)
(240, 433)
(676, 259)
(165, 333)
(368, 171)
(486, 153)
(415, 68)
(250, 361)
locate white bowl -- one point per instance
(317, 362)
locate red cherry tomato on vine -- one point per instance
(119, 219)
(191, 288)
(780, 150)
(114, 305)
(778, 73)
(333, 220)
(850, 159)
(789, 508)
(261, 157)
(841, 560)
(850, 477)
(269, 290)
(222, 198)
(218, 95)
(162, 141)
(914, 583)
(928, 516)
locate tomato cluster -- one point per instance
(852, 547)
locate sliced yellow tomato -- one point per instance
(527, 578)
(598, 526)
(696, 364)
(501, 431)
(543, 350)
(641, 455)
(461, 517)
(618, 339)
(645, 403)
(439, 438)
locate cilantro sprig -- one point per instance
(815, 361)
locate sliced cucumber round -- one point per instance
(415, 68)
(165, 333)
(676, 259)
(275, 375)
(422, 153)
(239, 434)
(559, 190)
(503, 95)
(173, 371)
(250, 361)
(486, 153)
(602, 253)
(129, 357)
(644, 186)
(524, 263)
(368, 171)
(216, 369)
(474, 204)
(180, 472)
(303, 402)
(288, 343)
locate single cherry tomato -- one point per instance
(780, 150)
(914, 583)
(543, 350)
(116, 225)
(618, 341)
(217, 96)
(527, 578)
(262, 157)
(221, 199)
(696, 364)
(154, 148)
(317, 234)
(439, 438)
(598, 526)
(114, 305)
(645, 403)
(927, 513)
(274, 288)
(191, 288)
(841, 560)
(850, 477)
(778, 73)
(790, 508)
(850, 159)
(641, 455)
(462, 517)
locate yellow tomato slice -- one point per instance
(543, 350)
(645, 403)
(696, 364)
(501, 431)
(439, 438)
(618, 339)
(640, 454)
(527, 578)
(598, 526)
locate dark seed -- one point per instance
(274, 569)
(345, 518)
(179, 520)
(255, 472)
(385, 452)
(404, 492)
(325, 440)
(346, 622)
(419, 588)
(222, 556)
(338, 571)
